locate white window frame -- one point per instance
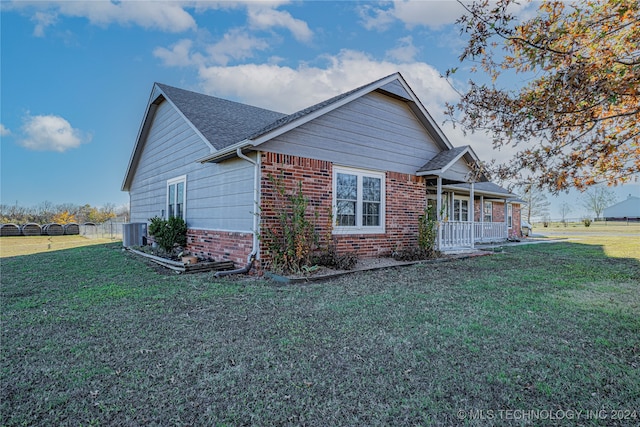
(484, 212)
(460, 199)
(173, 181)
(359, 228)
(509, 215)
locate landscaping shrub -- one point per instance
(427, 234)
(291, 238)
(168, 233)
(330, 258)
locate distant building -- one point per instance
(627, 210)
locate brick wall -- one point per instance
(405, 202)
(315, 176)
(499, 216)
(220, 245)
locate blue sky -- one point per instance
(76, 76)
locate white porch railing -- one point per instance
(457, 234)
(490, 231)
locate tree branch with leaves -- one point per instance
(575, 123)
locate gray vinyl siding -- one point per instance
(218, 196)
(373, 132)
(396, 88)
(458, 171)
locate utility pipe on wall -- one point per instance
(256, 208)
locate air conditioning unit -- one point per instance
(134, 234)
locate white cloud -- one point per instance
(264, 18)
(4, 131)
(236, 44)
(169, 16)
(287, 89)
(51, 133)
(432, 14)
(179, 54)
(405, 51)
(374, 18)
(43, 20)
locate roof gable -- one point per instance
(392, 85)
(447, 159)
(220, 121)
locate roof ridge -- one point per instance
(201, 94)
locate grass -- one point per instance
(93, 336)
(16, 246)
(618, 239)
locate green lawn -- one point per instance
(21, 245)
(94, 336)
(618, 239)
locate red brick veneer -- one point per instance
(405, 202)
(220, 245)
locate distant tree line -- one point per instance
(65, 213)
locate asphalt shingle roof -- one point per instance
(221, 121)
(442, 159)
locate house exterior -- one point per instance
(626, 210)
(370, 161)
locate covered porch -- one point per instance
(469, 209)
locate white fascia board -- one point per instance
(431, 172)
(426, 114)
(142, 133)
(501, 196)
(225, 152)
(473, 154)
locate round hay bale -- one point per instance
(53, 229)
(31, 229)
(72, 229)
(9, 230)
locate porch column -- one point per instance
(471, 212)
(438, 210)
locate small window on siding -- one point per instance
(176, 197)
(358, 201)
(488, 211)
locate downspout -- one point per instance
(256, 207)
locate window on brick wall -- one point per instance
(509, 215)
(358, 201)
(488, 212)
(460, 209)
(176, 197)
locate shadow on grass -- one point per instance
(94, 336)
